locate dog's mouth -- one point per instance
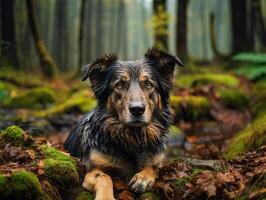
(137, 123)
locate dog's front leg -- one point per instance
(100, 183)
(144, 179)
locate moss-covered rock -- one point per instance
(232, 98)
(208, 78)
(62, 173)
(81, 101)
(33, 99)
(21, 185)
(252, 137)
(12, 133)
(190, 108)
(52, 153)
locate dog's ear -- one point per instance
(96, 71)
(164, 63)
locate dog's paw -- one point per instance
(141, 183)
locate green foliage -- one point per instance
(208, 78)
(33, 99)
(21, 185)
(12, 133)
(252, 137)
(255, 69)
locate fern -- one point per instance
(255, 65)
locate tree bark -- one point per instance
(160, 39)
(81, 31)
(240, 32)
(182, 29)
(8, 35)
(48, 65)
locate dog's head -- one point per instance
(133, 90)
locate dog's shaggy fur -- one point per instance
(115, 139)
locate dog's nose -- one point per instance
(137, 109)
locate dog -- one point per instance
(124, 135)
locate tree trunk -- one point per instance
(182, 29)
(160, 39)
(48, 65)
(81, 31)
(8, 36)
(240, 33)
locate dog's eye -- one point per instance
(119, 85)
(148, 85)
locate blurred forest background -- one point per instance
(75, 32)
(219, 99)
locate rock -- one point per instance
(234, 98)
(190, 108)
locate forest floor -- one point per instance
(212, 151)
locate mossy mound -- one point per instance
(33, 99)
(252, 137)
(41, 172)
(21, 185)
(232, 98)
(81, 101)
(208, 78)
(12, 133)
(190, 108)
(56, 171)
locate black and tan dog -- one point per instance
(124, 135)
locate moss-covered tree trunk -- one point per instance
(48, 64)
(160, 38)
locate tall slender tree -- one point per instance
(48, 64)
(81, 30)
(240, 32)
(8, 35)
(181, 32)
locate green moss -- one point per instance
(52, 153)
(22, 185)
(63, 173)
(252, 137)
(190, 107)
(80, 100)
(3, 93)
(203, 79)
(19, 77)
(235, 99)
(59, 168)
(33, 99)
(12, 133)
(84, 195)
(259, 93)
(3, 183)
(148, 196)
